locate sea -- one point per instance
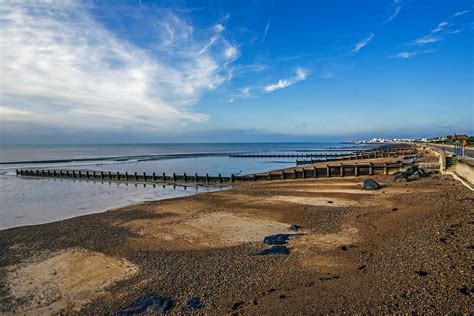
(31, 201)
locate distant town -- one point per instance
(448, 139)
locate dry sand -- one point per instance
(405, 248)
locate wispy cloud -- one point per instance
(441, 26)
(461, 13)
(428, 39)
(64, 68)
(267, 27)
(243, 93)
(410, 54)
(363, 43)
(393, 10)
(301, 74)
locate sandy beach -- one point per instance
(404, 248)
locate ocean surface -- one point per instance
(26, 201)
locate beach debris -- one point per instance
(148, 303)
(399, 177)
(274, 250)
(194, 303)
(344, 248)
(466, 290)
(295, 227)
(411, 170)
(278, 239)
(421, 273)
(370, 184)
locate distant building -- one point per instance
(460, 137)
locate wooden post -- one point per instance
(17, 172)
(232, 178)
(371, 168)
(385, 168)
(294, 173)
(67, 174)
(220, 178)
(302, 173)
(144, 176)
(315, 170)
(207, 178)
(270, 176)
(196, 178)
(174, 177)
(136, 177)
(164, 177)
(185, 177)
(341, 170)
(126, 175)
(254, 177)
(328, 170)
(73, 174)
(118, 176)
(54, 172)
(154, 177)
(356, 170)
(110, 175)
(102, 175)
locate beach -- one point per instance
(404, 248)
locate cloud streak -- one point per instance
(301, 74)
(62, 68)
(363, 43)
(393, 10)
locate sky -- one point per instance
(234, 71)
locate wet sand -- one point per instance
(404, 248)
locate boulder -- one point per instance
(194, 303)
(370, 184)
(148, 303)
(295, 227)
(274, 250)
(399, 177)
(411, 170)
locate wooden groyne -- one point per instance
(359, 155)
(330, 170)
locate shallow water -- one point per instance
(26, 201)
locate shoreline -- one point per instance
(398, 249)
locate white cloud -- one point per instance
(405, 55)
(393, 10)
(461, 13)
(363, 43)
(64, 68)
(267, 27)
(301, 74)
(231, 52)
(428, 39)
(218, 28)
(441, 26)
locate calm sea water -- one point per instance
(34, 201)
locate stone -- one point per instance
(411, 170)
(148, 303)
(370, 184)
(278, 239)
(295, 227)
(274, 250)
(414, 177)
(194, 303)
(399, 177)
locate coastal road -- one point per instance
(468, 152)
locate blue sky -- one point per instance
(144, 71)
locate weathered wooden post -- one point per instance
(385, 168)
(67, 174)
(102, 175)
(315, 171)
(220, 178)
(87, 175)
(341, 170)
(174, 177)
(371, 168)
(356, 170)
(269, 176)
(17, 172)
(294, 173)
(196, 178)
(110, 175)
(254, 177)
(164, 177)
(126, 175)
(154, 177)
(54, 173)
(144, 176)
(185, 177)
(118, 176)
(207, 178)
(73, 174)
(232, 178)
(328, 171)
(303, 175)
(136, 177)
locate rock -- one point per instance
(422, 173)
(413, 177)
(399, 177)
(345, 248)
(148, 303)
(411, 170)
(295, 227)
(278, 239)
(421, 273)
(370, 184)
(274, 250)
(194, 303)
